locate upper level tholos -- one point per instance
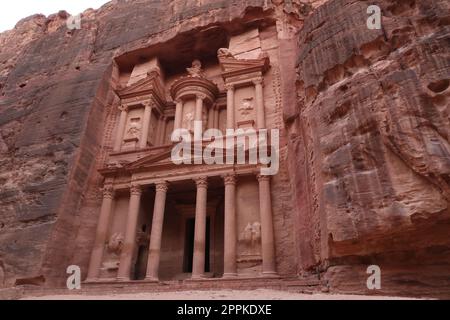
(158, 94)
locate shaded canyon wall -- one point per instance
(365, 119)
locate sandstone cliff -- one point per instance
(366, 115)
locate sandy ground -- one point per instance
(261, 294)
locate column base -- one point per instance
(229, 275)
(198, 277)
(122, 279)
(151, 279)
(91, 280)
(269, 274)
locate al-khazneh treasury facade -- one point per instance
(163, 221)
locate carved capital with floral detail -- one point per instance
(149, 103)
(201, 182)
(108, 191)
(229, 87)
(162, 186)
(135, 190)
(262, 178)
(123, 107)
(259, 80)
(229, 179)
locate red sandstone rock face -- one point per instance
(367, 120)
(371, 132)
(55, 95)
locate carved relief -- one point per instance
(251, 238)
(196, 69)
(188, 121)
(246, 107)
(224, 53)
(133, 130)
(115, 243)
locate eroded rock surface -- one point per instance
(366, 115)
(371, 130)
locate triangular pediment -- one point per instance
(162, 158)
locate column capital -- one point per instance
(258, 80)
(229, 87)
(162, 186)
(262, 178)
(149, 104)
(108, 191)
(201, 182)
(178, 100)
(201, 96)
(136, 189)
(123, 107)
(229, 179)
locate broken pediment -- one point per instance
(231, 66)
(150, 85)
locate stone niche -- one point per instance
(249, 257)
(145, 113)
(245, 107)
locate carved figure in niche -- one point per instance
(115, 243)
(251, 237)
(246, 107)
(134, 130)
(196, 69)
(188, 122)
(224, 53)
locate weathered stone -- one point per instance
(363, 114)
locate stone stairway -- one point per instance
(132, 287)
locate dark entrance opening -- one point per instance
(189, 245)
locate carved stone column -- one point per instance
(230, 106)
(198, 264)
(211, 117)
(130, 234)
(230, 241)
(146, 125)
(199, 117)
(260, 112)
(178, 114)
(157, 229)
(267, 233)
(121, 128)
(101, 234)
